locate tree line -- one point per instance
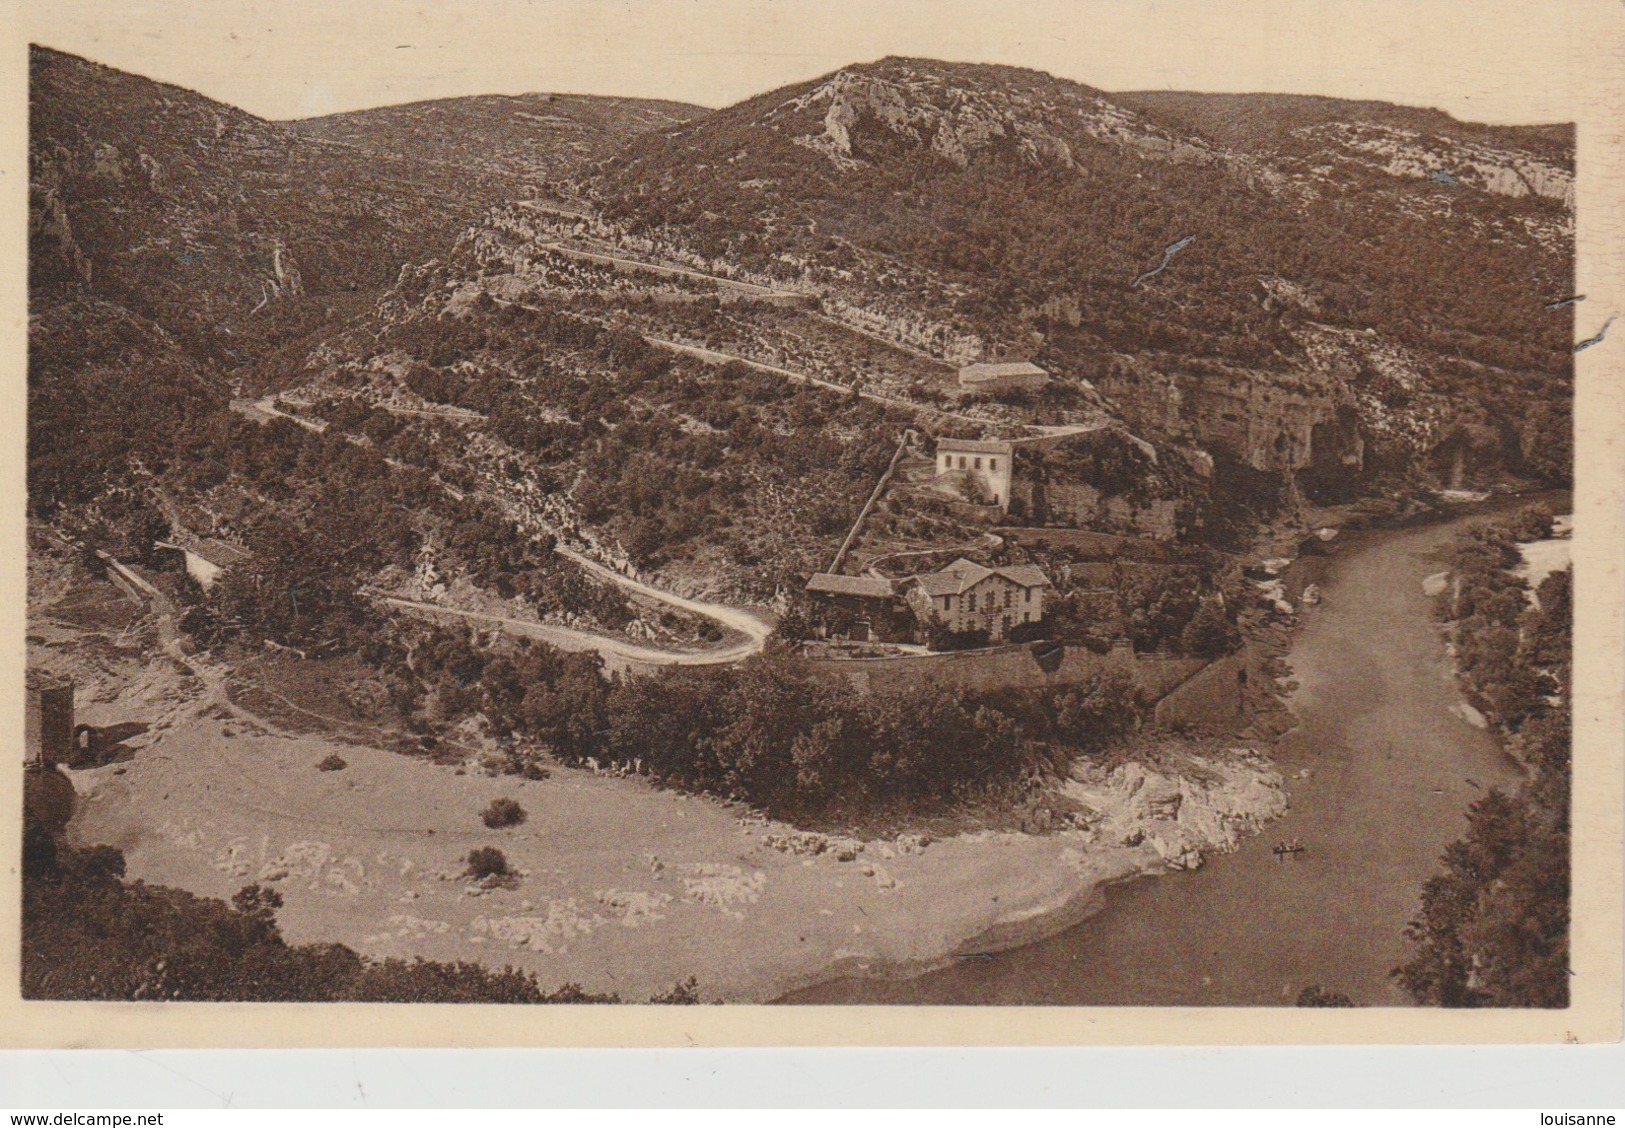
(1493, 930)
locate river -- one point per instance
(1380, 772)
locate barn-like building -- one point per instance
(1002, 377)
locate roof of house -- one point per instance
(951, 580)
(217, 552)
(998, 371)
(974, 446)
(828, 583)
(1027, 575)
(962, 575)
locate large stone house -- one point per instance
(966, 596)
(1002, 377)
(987, 464)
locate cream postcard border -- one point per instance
(1590, 63)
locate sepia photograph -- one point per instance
(843, 515)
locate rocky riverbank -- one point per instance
(626, 888)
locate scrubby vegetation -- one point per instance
(1494, 926)
(770, 731)
(501, 813)
(984, 214)
(486, 862)
(89, 934)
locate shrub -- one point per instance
(487, 861)
(1315, 996)
(503, 812)
(1532, 523)
(1209, 634)
(333, 763)
(941, 638)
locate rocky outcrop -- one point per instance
(1412, 153)
(1269, 422)
(1183, 805)
(960, 120)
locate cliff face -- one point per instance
(962, 117)
(1270, 423)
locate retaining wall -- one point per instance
(1211, 699)
(1024, 666)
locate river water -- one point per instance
(1380, 772)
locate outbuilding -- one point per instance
(1002, 377)
(205, 558)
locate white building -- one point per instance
(987, 464)
(1003, 376)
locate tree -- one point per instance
(258, 903)
(487, 861)
(1533, 522)
(1210, 633)
(502, 813)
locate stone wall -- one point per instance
(1212, 699)
(1026, 666)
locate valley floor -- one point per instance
(626, 888)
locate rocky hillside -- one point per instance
(1278, 300)
(1376, 272)
(529, 138)
(176, 244)
(1510, 160)
(230, 232)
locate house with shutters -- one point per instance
(987, 465)
(966, 596)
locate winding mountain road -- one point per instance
(617, 653)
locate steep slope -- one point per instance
(174, 240)
(529, 138)
(229, 231)
(1378, 272)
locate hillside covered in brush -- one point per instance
(176, 243)
(1387, 261)
(226, 229)
(529, 138)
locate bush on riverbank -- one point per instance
(502, 812)
(1506, 650)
